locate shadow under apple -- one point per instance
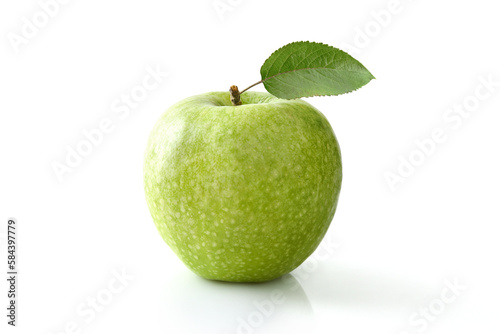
(190, 304)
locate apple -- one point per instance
(242, 193)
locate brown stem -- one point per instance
(235, 95)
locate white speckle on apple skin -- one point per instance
(242, 193)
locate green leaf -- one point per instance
(303, 69)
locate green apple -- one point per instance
(242, 193)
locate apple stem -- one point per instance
(235, 95)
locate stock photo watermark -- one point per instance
(12, 270)
(88, 310)
(420, 320)
(453, 119)
(122, 106)
(222, 7)
(379, 20)
(32, 25)
(265, 309)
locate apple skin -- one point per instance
(242, 193)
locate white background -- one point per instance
(389, 253)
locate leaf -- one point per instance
(303, 69)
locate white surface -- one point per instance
(389, 253)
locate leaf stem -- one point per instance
(255, 84)
(235, 93)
